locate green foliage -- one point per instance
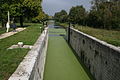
(61, 16)
(77, 15)
(104, 14)
(41, 17)
(4, 7)
(30, 9)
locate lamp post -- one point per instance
(8, 23)
(8, 16)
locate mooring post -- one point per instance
(69, 33)
(46, 23)
(43, 23)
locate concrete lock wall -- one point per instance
(101, 58)
(32, 67)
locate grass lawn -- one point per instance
(110, 36)
(61, 63)
(10, 59)
(0, 24)
(3, 30)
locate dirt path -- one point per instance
(11, 33)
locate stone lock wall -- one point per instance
(101, 58)
(32, 67)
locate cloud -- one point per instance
(52, 6)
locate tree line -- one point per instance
(22, 10)
(103, 14)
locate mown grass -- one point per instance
(109, 36)
(10, 59)
(61, 63)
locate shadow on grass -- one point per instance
(23, 25)
(82, 64)
(3, 30)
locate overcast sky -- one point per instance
(52, 6)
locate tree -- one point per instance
(115, 9)
(61, 16)
(77, 15)
(41, 17)
(4, 7)
(93, 19)
(105, 14)
(20, 8)
(28, 8)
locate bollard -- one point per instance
(20, 44)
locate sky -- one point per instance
(50, 7)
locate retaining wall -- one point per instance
(101, 58)
(32, 67)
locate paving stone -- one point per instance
(24, 46)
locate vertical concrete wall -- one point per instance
(32, 67)
(102, 59)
